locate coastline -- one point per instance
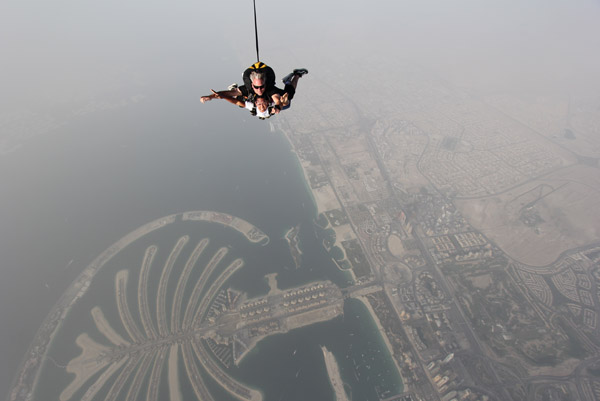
(290, 323)
(324, 199)
(381, 330)
(347, 232)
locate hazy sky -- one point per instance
(64, 56)
(70, 49)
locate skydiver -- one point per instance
(271, 100)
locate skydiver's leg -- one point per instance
(289, 92)
(293, 76)
(294, 81)
(291, 82)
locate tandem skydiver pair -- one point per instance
(259, 93)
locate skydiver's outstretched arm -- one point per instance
(229, 95)
(229, 98)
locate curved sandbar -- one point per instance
(143, 306)
(85, 365)
(176, 323)
(252, 233)
(130, 326)
(106, 329)
(233, 386)
(119, 383)
(127, 240)
(195, 297)
(291, 236)
(216, 287)
(154, 382)
(94, 388)
(174, 390)
(161, 299)
(194, 374)
(140, 374)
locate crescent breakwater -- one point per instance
(252, 233)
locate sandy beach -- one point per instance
(86, 365)
(106, 329)
(388, 345)
(174, 390)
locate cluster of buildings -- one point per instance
(450, 289)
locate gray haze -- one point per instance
(66, 58)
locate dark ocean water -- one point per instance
(70, 195)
